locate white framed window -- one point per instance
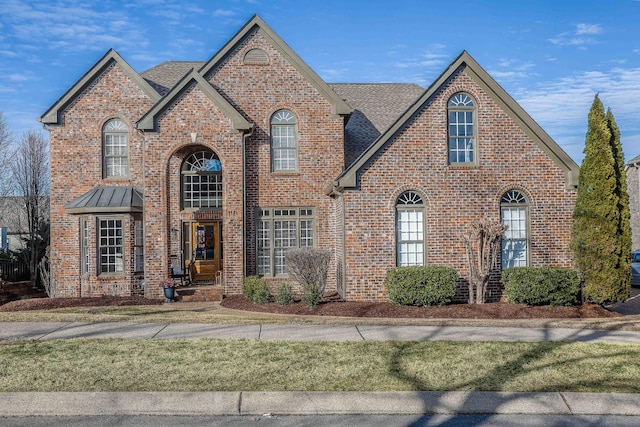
(461, 110)
(138, 245)
(284, 142)
(84, 246)
(515, 240)
(110, 245)
(280, 229)
(410, 233)
(202, 181)
(115, 139)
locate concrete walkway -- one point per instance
(271, 332)
(302, 403)
(315, 403)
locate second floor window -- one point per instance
(115, 139)
(284, 142)
(461, 110)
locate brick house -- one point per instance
(225, 164)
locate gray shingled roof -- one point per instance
(164, 76)
(107, 199)
(634, 161)
(376, 105)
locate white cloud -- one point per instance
(588, 29)
(223, 12)
(562, 106)
(580, 36)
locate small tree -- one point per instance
(600, 236)
(29, 166)
(482, 244)
(309, 267)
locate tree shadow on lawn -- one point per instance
(434, 402)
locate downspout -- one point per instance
(141, 134)
(245, 136)
(335, 191)
(47, 128)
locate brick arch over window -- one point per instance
(410, 229)
(514, 213)
(201, 180)
(115, 149)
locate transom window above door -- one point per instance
(202, 181)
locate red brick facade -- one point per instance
(227, 107)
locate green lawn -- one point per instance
(211, 365)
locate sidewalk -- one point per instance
(315, 403)
(67, 330)
(305, 403)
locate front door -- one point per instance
(203, 248)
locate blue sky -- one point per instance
(552, 56)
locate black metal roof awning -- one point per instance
(107, 200)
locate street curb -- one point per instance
(20, 404)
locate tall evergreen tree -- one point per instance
(596, 229)
(624, 225)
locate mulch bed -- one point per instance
(25, 298)
(495, 310)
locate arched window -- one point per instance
(462, 130)
(284, 142)
(409, 229)
(202, 181)
(115, 141)
(515, 240)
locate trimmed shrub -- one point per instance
(541, 285)
(310, 295)
(284, 295)
(421, 285)
(255, 289)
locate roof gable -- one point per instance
(339, 106)
(349, 177)
(148, 121)
(52, 115)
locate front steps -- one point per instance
(199, 293)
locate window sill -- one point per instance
(108, 276)
(285, 173)
(463, 165)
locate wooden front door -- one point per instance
(203, 248)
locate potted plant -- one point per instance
(169, 287)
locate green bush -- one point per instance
(428, 285)
(255, 289)
(284, 295)
(310, 295)
(541, 285)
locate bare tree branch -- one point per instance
(29, 166)
(482, 244)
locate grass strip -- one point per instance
(234, 365)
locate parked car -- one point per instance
(635, 268)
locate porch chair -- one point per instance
(176, 271)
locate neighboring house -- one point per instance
(13, 224)
(227, 163)
(633, 188)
